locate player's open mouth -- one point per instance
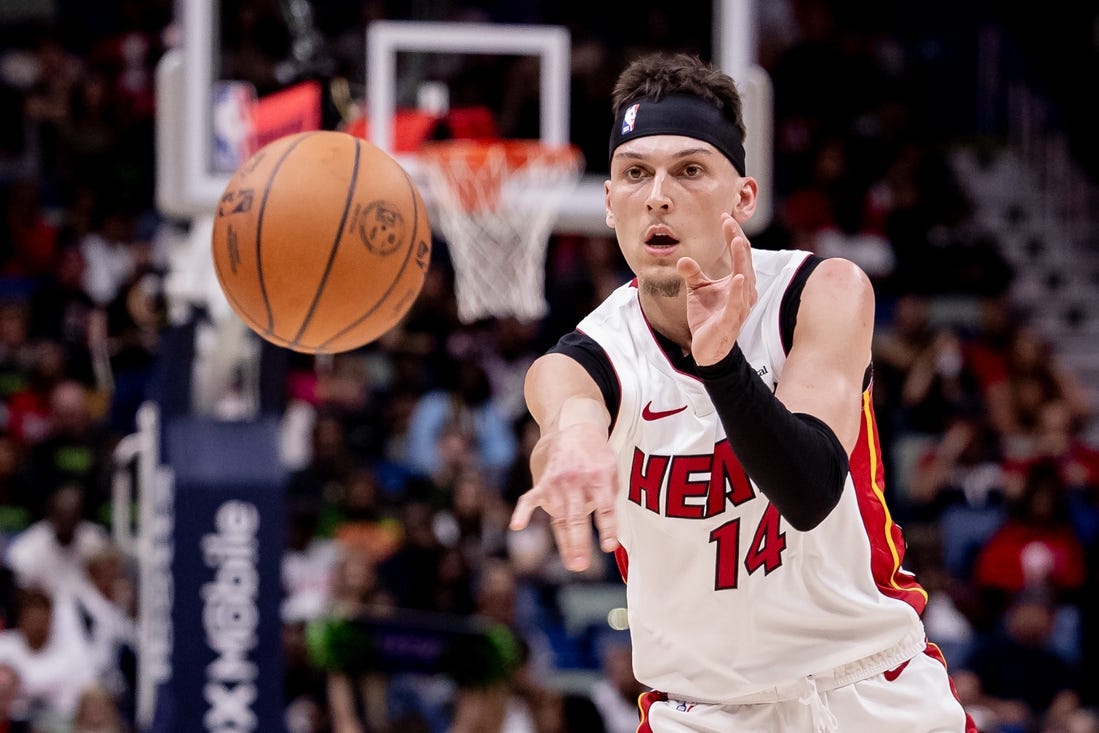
(660, 238)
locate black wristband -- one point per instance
(795, 459)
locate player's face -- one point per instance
(665, 198)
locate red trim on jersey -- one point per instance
(886, 538)
(644, 702)
(933, 651)
(622, 559)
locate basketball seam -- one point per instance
(270, 330)
(335, 247)
(397, 278)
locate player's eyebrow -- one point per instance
(685, 153)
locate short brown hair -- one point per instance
(657, 75)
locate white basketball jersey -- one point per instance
(725, 598)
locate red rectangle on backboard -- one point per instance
(291, 110)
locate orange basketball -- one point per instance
(321, 242)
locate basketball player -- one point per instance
(714, 415)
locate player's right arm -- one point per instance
(573, 466)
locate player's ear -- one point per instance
(747, 196)
(607, 203)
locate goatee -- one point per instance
(663, 288)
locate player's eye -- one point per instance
(692, 170)
(634, 173)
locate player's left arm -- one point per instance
(830, 350)
(795, 443)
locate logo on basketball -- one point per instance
(381, 228)
(236, 202)
(423, 254)
(234, 249)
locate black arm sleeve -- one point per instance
(795, 459)
(590, 355)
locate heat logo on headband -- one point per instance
(679, 115)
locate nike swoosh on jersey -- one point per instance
(892, 674)
(649, 414)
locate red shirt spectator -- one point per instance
(1036, 547)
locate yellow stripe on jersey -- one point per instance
(879, 493)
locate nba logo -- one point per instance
(630, 118)
(234, 134)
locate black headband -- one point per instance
(679, 115)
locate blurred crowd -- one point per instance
(405, 457)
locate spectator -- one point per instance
(48, 660)
(75, 449)
(464, 407)
(1034, 376)
(111, 254)
(330, 463)
(524, 703)
(848, 237)
(11, 717)
(16, 350)
(986, 348)
(505, 363)
(1014, 675)
(51, 552)
(1057, 438)
(97, 712)
(412, 572)
(616, 692)
(57, 72)
(60, 310)
(1035, 548)
(308, 564)
(579, 714)
(475, 522)
(134, 320)
(15, 499)
(920, 369)
(357, 699)
(29, 407)
(1078, 720)
(958, 487)
(106, 607)
(963, 468)
(304, 683)
(33, 235)
(361, 517)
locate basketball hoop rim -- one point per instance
(468, 174)
(516, 152)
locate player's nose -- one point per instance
(658, 193)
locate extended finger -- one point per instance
(741, 254)
(606, 521)
(578, 528)
(575, 554)
(607, 526)
(524, 509)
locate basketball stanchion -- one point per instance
(495, 202)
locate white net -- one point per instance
(496, 203)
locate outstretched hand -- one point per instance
(716, 309)
(578, 480)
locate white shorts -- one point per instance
(917, 697)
